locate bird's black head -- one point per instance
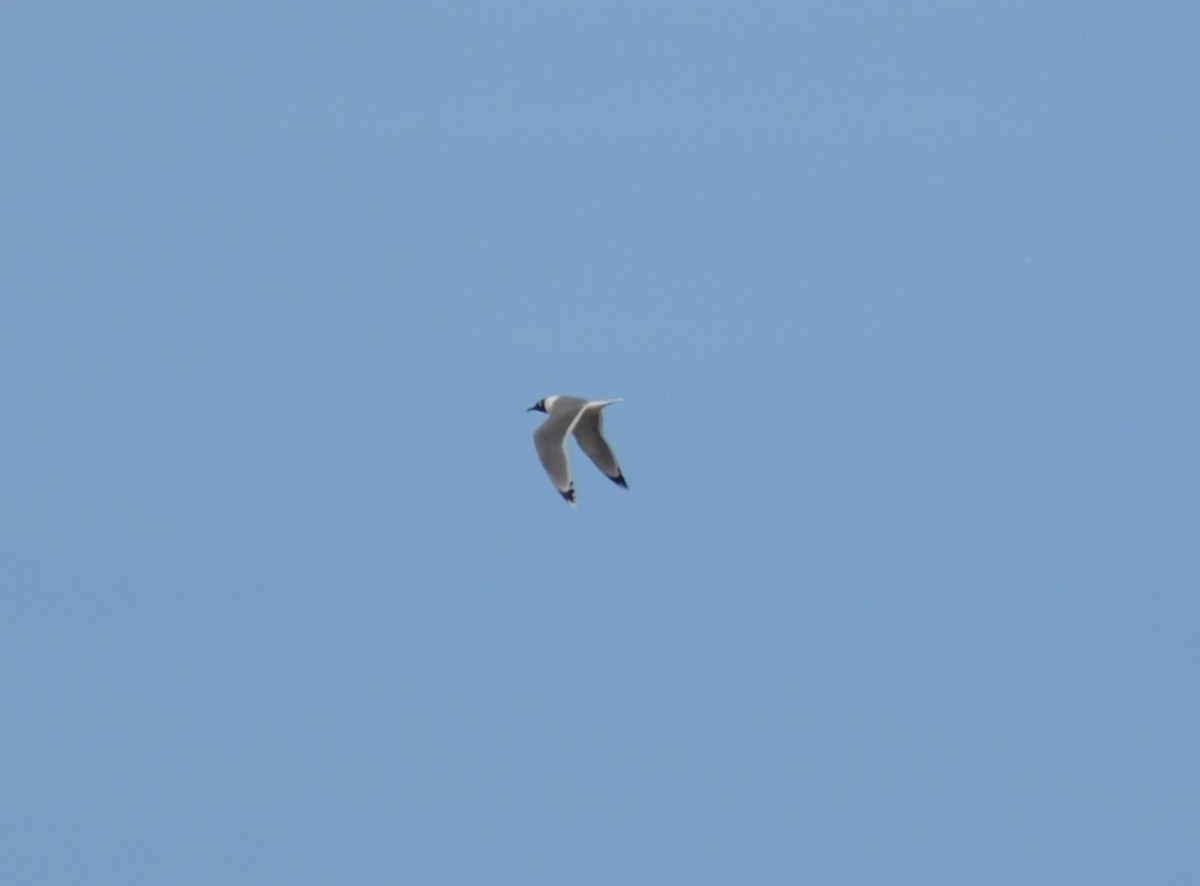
(539, 406)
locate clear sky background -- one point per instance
(903, 303)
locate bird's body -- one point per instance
(583, 418)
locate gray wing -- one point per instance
(551, 442)
(589, 431)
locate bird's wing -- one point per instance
(551, 442)
(589, 431)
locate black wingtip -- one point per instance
(620, 481)
(569, 495)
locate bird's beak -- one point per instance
(531, 409)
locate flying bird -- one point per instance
(583, 418)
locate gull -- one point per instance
(582, 417)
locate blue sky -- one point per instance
(903, 306)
